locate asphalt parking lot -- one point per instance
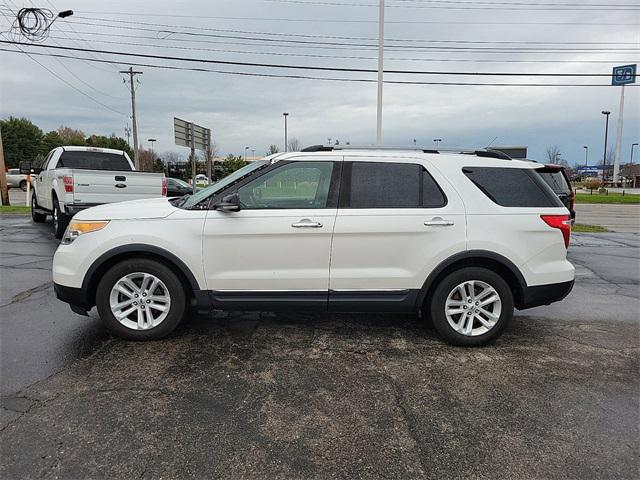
(321, 396)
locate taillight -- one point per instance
(68, 183)
(164, 186)
(572, 199)
(562, 222)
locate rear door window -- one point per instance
(93, 161)
(390, 185)
(555, 179)
(513, 187)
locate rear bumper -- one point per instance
(77, 298)
(544, 294)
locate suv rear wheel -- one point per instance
(141, 299)
(471, 306)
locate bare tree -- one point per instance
(171, 157)
(273, 149)
(294, 145)
(554, 154)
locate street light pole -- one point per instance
(632, 145)
(606, 113)
(380, 71)
(151, 140)
(586, 155)
(253, 154)
(285, 115)
(245, 153)
(437, 141)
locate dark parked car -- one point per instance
(556, 177)
(177, 187)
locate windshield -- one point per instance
(219, 185)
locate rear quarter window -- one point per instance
(513, 187)
(556, 180)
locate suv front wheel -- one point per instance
(141, 299)
(471, 306)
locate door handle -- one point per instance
(306, 223)
(438, 222)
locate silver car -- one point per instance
(15, 179)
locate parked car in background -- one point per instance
(70, 179)
(556, 177)
(461, 237)
(15, 179)
(178, 188)
(202, 179)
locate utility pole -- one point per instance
(192, 144)
(4, 190)
(286, 147)
(586, 155)
(132, 74)
(208, 154)
(380, 72)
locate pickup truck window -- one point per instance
(93, 161)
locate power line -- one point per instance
(316, 20)
(318, 44)
(308, 67)
(496, 6)
(30, 55)
(274, 75)
(348, 57)
(339, 37)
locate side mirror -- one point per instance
(229, 203)
(27, 169)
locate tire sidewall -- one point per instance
(35, 216)
(445, 287)
(164, 273)
(59, 220)
(23, 185)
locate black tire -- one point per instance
(23, 185)
(176, 291)
(447, 285)
(35, 216)
(60, 220)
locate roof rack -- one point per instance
(484, 152)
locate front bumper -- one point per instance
(77, 298)
(544, 294)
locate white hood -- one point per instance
(130, 210)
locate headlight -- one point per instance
(75, 229)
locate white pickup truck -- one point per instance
(70, 179)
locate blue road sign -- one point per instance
(623, 74)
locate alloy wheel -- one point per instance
(473, 308)
(140, 301)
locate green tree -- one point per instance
(112, 141)
(50, 141)
(158, 165)
(21, 140)
(231, 164)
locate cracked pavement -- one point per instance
(295, 395)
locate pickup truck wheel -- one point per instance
(471, 307)
(35, 216)
(60, 220)
(23, 185)
(141, 299)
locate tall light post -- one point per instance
(632, 145)
(606, 113)
(151, 140)
(253, 154)
(246, 149)
(285, 115)
(586, 155)
(380, 72)
(437, 141)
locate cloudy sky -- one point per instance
(422, 35)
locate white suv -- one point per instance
(461, 237)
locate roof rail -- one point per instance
(468, 151)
